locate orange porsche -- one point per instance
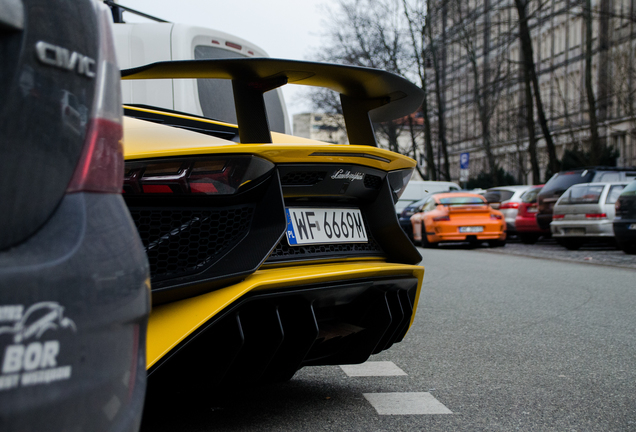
(458, 217)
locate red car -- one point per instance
(526, 224)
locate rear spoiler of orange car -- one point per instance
(367, 95)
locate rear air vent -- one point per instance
(303, 178)
(182, 241)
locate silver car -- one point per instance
(506, 199)
(584, 213)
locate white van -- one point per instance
(417, 189)
(138, 44)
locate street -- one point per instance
(500, 342)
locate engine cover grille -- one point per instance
(182, 241)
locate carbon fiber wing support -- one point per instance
(367, 95)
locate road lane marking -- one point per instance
(406, 403)
(373, 368)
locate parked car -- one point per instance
(528, 229)
(458, 217)
(561, 181)
(274, 252)
(74, 293)
(625, 219)
(506, 199)
(585, 213)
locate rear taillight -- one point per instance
(509, 205)
(203, 176)
(441, 218)
(558, 216)
(496, 216)
(398, 180)
(101, 165)
(596, 215)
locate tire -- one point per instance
(628, 248)
(570, 244)
(496, 243)
(528, 238)
(425, 243)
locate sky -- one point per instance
(283, 28)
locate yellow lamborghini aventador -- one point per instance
(269, 252)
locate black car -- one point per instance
(405, 217)
(74, 294)
(560, 182)
(625, 219)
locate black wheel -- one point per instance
(570, 244)
(628, 248)
(425, 242)
(527, 238)
(496, 243)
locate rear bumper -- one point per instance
(86, 273)
(623, 234)
(529, 225)
(543, 220)
(466, 237)
(444, 232)
(279, 320)
(562, 229)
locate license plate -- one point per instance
(632, 226)
(471, 229)
(532, 210)
(324, 226)
(574, 231)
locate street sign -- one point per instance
(464, 158)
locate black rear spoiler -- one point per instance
(367, 95)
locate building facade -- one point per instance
(478, 65)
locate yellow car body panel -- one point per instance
(145, 140)
(172, 323)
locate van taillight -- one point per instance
(596, 215)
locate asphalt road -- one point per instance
(501, 341)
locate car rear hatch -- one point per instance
(211, 218)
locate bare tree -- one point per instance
(529, 66)
(415, 17)
(367, 33)
(488, 68)
(433, 50)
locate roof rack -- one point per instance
(118, 12)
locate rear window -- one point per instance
(582, 195)
(613, 193)
(559, 183)
(461, 200)
(217, 99)
(530, 196)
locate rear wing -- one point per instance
(367, 95)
